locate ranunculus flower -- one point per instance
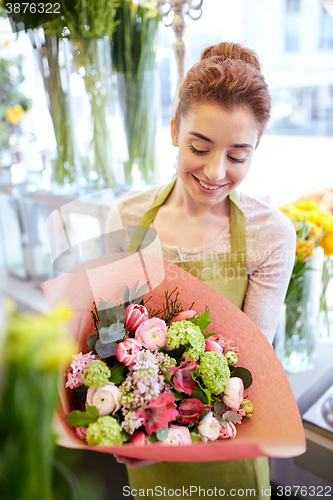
(139, 438)
(178, 436)
(152, 333)
(135, 315)
(158, 412)
(184, 315)
(233, 393)
(190, 410)
(229, 431)
(182, 376)
(80, 432)
(126, 351)
(106, 399)
(209, 427)
(211, 345)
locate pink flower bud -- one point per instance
(80, 432)
(184, 315)
(229, 431)
(233, 393)
(211, 345)
(139, 438)
(135, 315)
(127, 351)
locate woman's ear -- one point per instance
(174, 133)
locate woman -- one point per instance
(240, 246)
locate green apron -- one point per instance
(228, 275)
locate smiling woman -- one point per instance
(238, 245)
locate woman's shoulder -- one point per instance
(261, 216)
(134, 204)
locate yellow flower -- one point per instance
(306, 205)
(14, 114)
(41, 341)
(315, 232)
(304, 249)
(327, 244)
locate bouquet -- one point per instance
(156, 376)
(275, 428)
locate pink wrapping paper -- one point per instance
(275, 430)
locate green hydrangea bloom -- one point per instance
(186, 333)
(214, 371)
(104, 432)
(96, 374)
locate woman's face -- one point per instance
(215, 151)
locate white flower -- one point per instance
(106, 399)
(178, 436)
(209, 427)
(233, 393)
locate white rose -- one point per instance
(106, 399)
(178, 436)
(209, 427)
(234, 393)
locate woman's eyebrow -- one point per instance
(242, 146)
(203, 137)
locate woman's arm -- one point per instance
(275, 250)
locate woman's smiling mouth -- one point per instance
(208, 187)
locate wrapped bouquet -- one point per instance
(156, 376)
(145, 381)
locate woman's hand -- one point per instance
(134, 462)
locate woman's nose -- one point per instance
(215, 169)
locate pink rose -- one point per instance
(135, 315)
(209, 427)
(178, 436)
(211, 345)
(184, 315)
(106, 399)
(80, 432)
(126, 351)
(229, 431)
(139, 438)
(233, 393)
(152, 334)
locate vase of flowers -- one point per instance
(303, 295)
(138, 89)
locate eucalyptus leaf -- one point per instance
(224, 423)
(105, 350)
(92, 341)
(125, 295)
(218, 417)
(83, 418)
(119, 313)
(219, 407)
(231, 416)
(162, 434)
(133, 291)
(112, 334)
(140, 293)
(244, 374)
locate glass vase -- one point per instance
(49, 54)
(89, 72)
(139, 117)
(302, 317)
(325, 323)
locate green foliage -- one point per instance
(118, 373)
(202, 321)
(162, 434)
(83, 418)
(244, 374)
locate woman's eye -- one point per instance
(197, 151)
(237, 160)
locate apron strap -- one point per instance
(237, 220)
